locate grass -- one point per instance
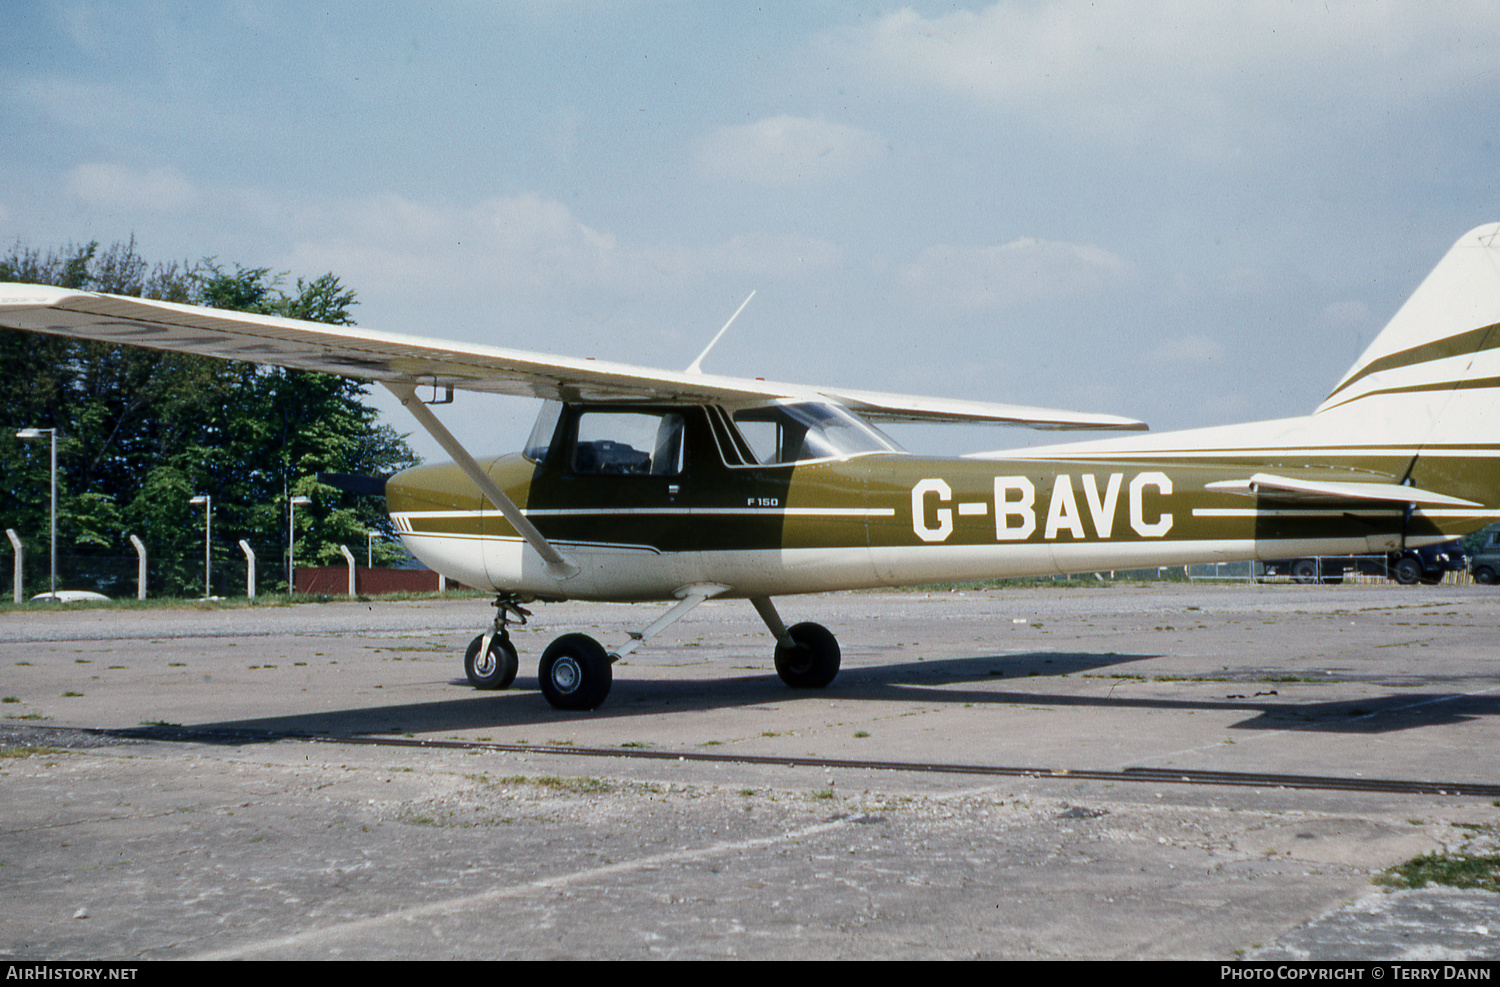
(574, 786)
(8, 752)
(1448, 870)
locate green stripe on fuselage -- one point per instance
(899, 501)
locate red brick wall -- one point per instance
(334, 581)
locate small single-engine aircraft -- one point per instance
(640, 484)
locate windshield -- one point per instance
(795, 433)
(542, 432)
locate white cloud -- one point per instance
(1202, 71)
(115, 186)
(783, 150)
(958, 278)
(524, 243)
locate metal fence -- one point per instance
(116, 576)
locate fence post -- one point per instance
(249, 568)
(349, 557)
(15, 541)
(140, 569)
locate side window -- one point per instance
(796, 433)
(639, 443)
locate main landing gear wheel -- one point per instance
(813, 661)
(575, 673)
(1305, 571)
(497, 668)
(1408, 570)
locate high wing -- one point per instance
(402, 359)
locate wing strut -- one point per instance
(558, 566)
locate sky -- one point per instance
(1190, 213)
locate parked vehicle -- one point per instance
(1426, 565)
(1484, 565)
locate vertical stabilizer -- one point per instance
(1428, 387)
(1443, 331)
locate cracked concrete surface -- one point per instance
(151, 850)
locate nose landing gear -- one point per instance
(491, 661)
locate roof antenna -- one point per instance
(696, 367)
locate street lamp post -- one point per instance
(37, 433)
(291, 544)
(207, 503)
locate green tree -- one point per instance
(141, 432)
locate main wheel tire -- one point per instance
(575, 673)
(1407, 571)
(497, 669)
(1305, 571)
(812, 661)
(1485, 575)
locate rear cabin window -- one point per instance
(795, 433)
(629, 443)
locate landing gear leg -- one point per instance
(491, 661)
(807, 655)
(575, 671)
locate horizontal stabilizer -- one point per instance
(1284, 488)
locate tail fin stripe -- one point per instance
(1437, 385)
(1462, 344)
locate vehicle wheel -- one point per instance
(1305, 571)
(575, 673)
(1407, 571)
(813, 661)
(497, 669)
(1484, 574)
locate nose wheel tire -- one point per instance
(812, 661)
(496, 669)
(575, 673)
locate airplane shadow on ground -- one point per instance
(936, 681)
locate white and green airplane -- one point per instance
(640, 484)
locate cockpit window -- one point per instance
(795, 433)
(640, 443)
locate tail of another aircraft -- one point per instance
(1428, 387)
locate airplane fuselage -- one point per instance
(888, 518)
